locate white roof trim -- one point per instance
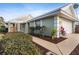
(73, 18)
(56, 11)
(43, 16)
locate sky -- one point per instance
(13, 10)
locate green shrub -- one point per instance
(54, 31)
(18, 44)
(3, 29)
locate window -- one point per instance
(37, 23)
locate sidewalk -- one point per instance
(65, 47)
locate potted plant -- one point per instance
(53, 32)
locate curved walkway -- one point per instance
(65, 47)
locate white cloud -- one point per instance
(16, 12)
(38, 12)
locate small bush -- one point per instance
(53, 32)
(18, 44)
(3, 29)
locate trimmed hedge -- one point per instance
(18, 44)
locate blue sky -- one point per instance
(13, 10)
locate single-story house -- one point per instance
(19, 24)
(64, 16)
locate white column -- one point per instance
(18, 27)
(8, 27)
(57, 25)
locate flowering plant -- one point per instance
(62, 31)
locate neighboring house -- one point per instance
(62, 17)
(19, 24)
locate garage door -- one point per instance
(67, 25)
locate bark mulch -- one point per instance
(55, 40)
(75, 51)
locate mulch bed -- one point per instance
(75, 51)
(43, 50)
(55, 40)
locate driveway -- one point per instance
(68, 45)
(75, 37)
(65, 47)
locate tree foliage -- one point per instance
(75, 6)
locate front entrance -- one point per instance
(14, 28)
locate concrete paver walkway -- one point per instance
(48, 45)
(65, 47)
